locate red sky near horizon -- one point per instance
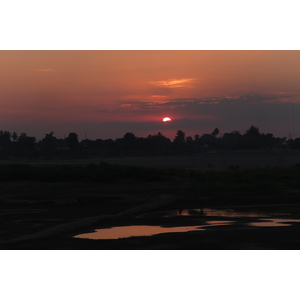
(105, 94)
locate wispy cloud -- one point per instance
(239, 108)
(174, 83)
(160, 96)
(236, 97)
(134, 106)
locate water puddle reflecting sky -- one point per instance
(274, 222)
(264, 218)
(143, 230)
(130, 231)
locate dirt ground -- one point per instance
(52, 213)
(52, 226)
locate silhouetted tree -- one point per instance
(49, 142)
(5, 140)
(179, 141)
(252, 138)
(180, 137)
(72, 140)
(232, 140)
(208, 140)
(252, 131)
(108, 146)
(159, 144)
(129, 137)
(156, 144)
(190, 145)
(296, 144)
(215, 132)
(127, 144)
(26, 143)
(14, 136)
(268, 141)
(143, 146)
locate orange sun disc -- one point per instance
(167, 119)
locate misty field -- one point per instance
(214, 160)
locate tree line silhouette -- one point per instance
(24, 146)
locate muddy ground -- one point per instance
(47, 215)
(54, 220)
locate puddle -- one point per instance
(274, 222)
(143, 230)
(266, 217)
(130, 231)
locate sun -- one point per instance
(167, 119)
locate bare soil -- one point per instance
(30, 208)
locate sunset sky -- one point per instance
(104, 94)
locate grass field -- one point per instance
(210, 160)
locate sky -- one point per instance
(106, 93)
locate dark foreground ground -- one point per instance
(43, 207)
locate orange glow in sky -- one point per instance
(109, 93)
